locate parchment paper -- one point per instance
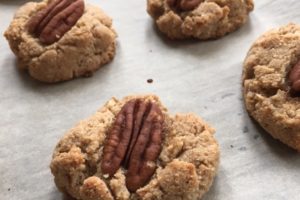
(191, 76)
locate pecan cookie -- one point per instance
(271, 78)
(134, 149)
(58, 40)
(201, 19)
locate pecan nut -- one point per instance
(294, 78)
(57, 18)
(184, 5)
(134, 142)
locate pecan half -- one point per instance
(184, 5)
(52, 22)
(294, 78)
(134, 142)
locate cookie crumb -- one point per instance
(8, 189)
(150, 80)
(231, 146)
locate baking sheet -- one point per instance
(199, 77)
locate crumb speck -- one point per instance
(231, 146)
(150, 80)
(245, 130)
(242, 148)
(256, 137)
(8, 189)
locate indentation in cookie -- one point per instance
(269, 92)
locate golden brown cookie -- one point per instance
(134, 149)
(271, 88)
(59, 40)
(201, 19)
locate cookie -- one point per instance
(58, 40)
(201, 19)
(271, 83)
(134, 149)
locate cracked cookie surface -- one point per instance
(210, 19)
(267, 91)
(186, 165)
(79, 52)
